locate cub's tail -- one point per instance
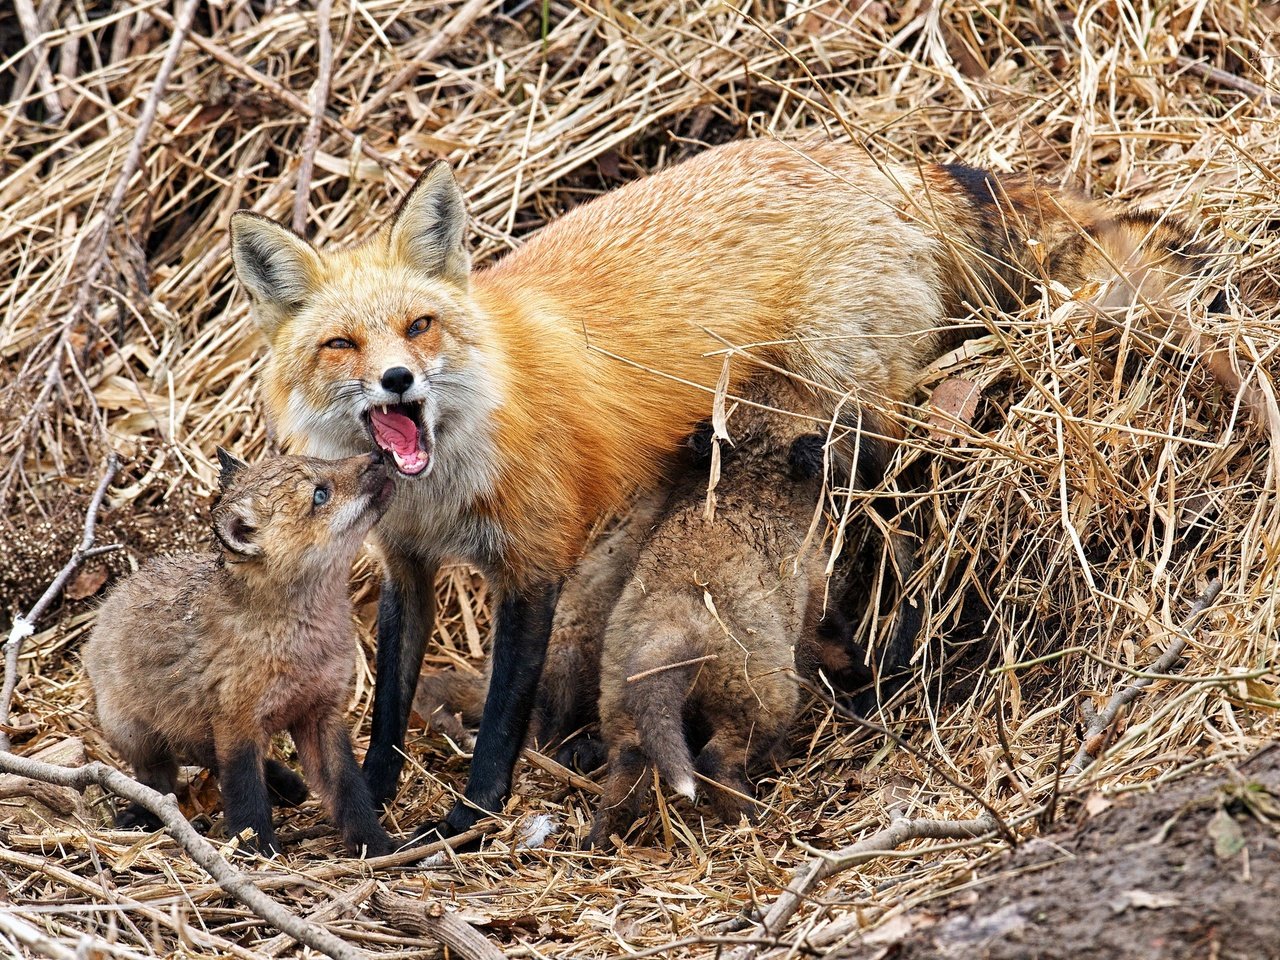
(656, 704)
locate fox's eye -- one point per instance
(421, 325)
(339, 343)
(321, 496)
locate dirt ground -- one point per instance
(1190, 870)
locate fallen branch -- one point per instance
(877, 845)
(431, 919)
(1102, 722)
(1248, 87)
(319, 101)
(231, 880)
(24, 626)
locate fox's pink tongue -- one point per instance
(398, 435)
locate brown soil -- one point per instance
(1162, 876)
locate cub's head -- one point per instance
(371, 345)
(285, 516)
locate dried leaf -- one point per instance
(1144, 900)
(87, 581)
(1228, 838)
(954, 401)
(1095, 803)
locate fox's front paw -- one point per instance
(459, 820)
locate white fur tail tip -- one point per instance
(535, 831)
(685, 787)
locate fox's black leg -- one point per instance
(522, 628)
(406, 614)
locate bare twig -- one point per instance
(24, 626)
(36, 61)
(1219, 76)
(319, 101)
(33, 938)
(327, 911)
(457, 25)
(877, 845)
(231, 880)
(1126, 695)
(431, 919)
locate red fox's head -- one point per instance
(372, 346)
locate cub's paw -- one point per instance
(287, 789)
(137, 817)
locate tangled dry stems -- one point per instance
(1097, 491)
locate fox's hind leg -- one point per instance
(724, 762)
(626, 788)
(242, 781)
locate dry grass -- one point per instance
(1083, 511)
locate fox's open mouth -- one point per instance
(397, 429)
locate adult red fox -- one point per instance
(523, 401)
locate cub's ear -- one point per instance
(806, 456)
(230, 465)
(276, 266)
(236, 528)
(427, 230)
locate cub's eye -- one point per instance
(421, 325)
(321, 496)
(339, 343)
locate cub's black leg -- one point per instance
(406, 615)
(245, 800)
(324, 746)
(287, 789)
(522, 627)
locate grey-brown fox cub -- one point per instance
(202, 657)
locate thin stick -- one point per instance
(36, 61)
(24, 626)
(431, 919)
(458, 25)
(33, 938)
(330, 910)
(1126, 695)
(319, 101)
(878, 844)
(200, 850)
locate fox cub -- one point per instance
(201, 658)
(704, 643)
(566, 706)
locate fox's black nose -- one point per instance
(397, 379)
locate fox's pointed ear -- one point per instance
(427, 230)
(276, 266)
(229, 465)
(237, 530)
